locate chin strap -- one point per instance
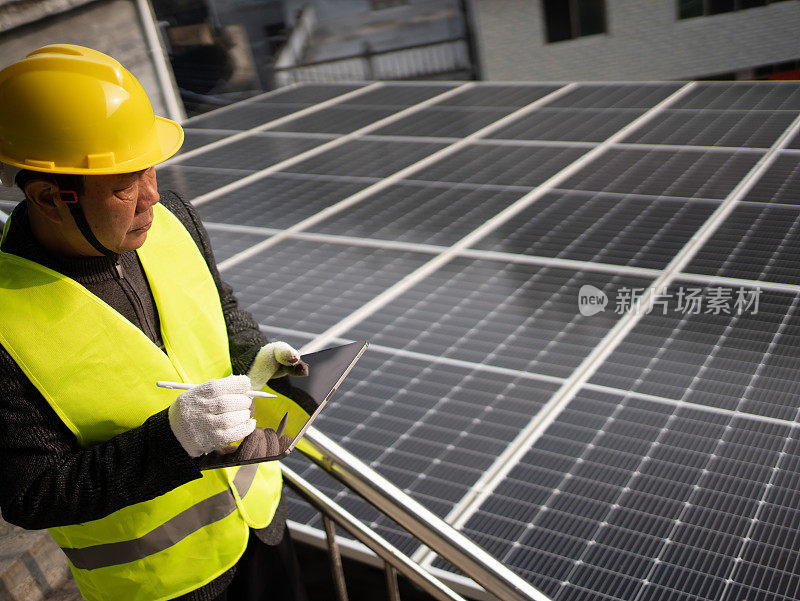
(70, 198)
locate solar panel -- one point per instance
(313, 285)
(497, 279)
(756, 242)
(191, 182)
(243, 117)
(720, 354)
(685, 173)
(280, 200)
(507, 165)
(453, 122)
(780, 183)
(399, 95)
(366, 158)
(616, 96)
(742, 96)
(257, 151)
(660, 477)
(337, 119)
(589, 125)
(755, 129)
(637, 231)
(504, 314)
(627, 498)
(418, 212)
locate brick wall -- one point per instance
(644, 41)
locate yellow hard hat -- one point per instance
(70, 109)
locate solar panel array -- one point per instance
(643, 449)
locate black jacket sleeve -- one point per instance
(47, 479)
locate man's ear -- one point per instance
(43, 194)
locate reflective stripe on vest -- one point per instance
(98, 372)
(208, 511)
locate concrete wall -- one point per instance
(644, 41)
(110, 26)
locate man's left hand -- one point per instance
(274, 360)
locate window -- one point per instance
(567, 19)
(703, 8)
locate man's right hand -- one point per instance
(212, 415)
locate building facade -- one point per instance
(123, 29)
(620, 40)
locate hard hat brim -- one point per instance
(170, 136)
(168, 133)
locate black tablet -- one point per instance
(283, 420)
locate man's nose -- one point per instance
(148, 190)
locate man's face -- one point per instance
(119, 208)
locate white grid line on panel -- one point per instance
(786, 206)
(328, 146)
(484, 487)
(356, 179)
(495, 255)
(723, 280)
(368, 242)
(728, 110)
(297, 134)
(468, 185)
(680, 147)
(270, 124)
(499, 187)
(494, 222)
(639, 195)
(396, 138)
(653, 398)
(213, 226)
(208, 130)
(536, 143)
(486, 142)
(491, 255)
(395, 177)
(544, 143)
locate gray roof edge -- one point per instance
(15, 13)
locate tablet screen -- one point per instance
(283, 420)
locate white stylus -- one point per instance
(253, 394)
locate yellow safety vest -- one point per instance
(98, 372)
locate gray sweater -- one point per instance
(46, 478)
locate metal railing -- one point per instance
(413, 61)
(410, 515)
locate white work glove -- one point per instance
(274, 360)
(212, 415)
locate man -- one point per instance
(106, 288)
